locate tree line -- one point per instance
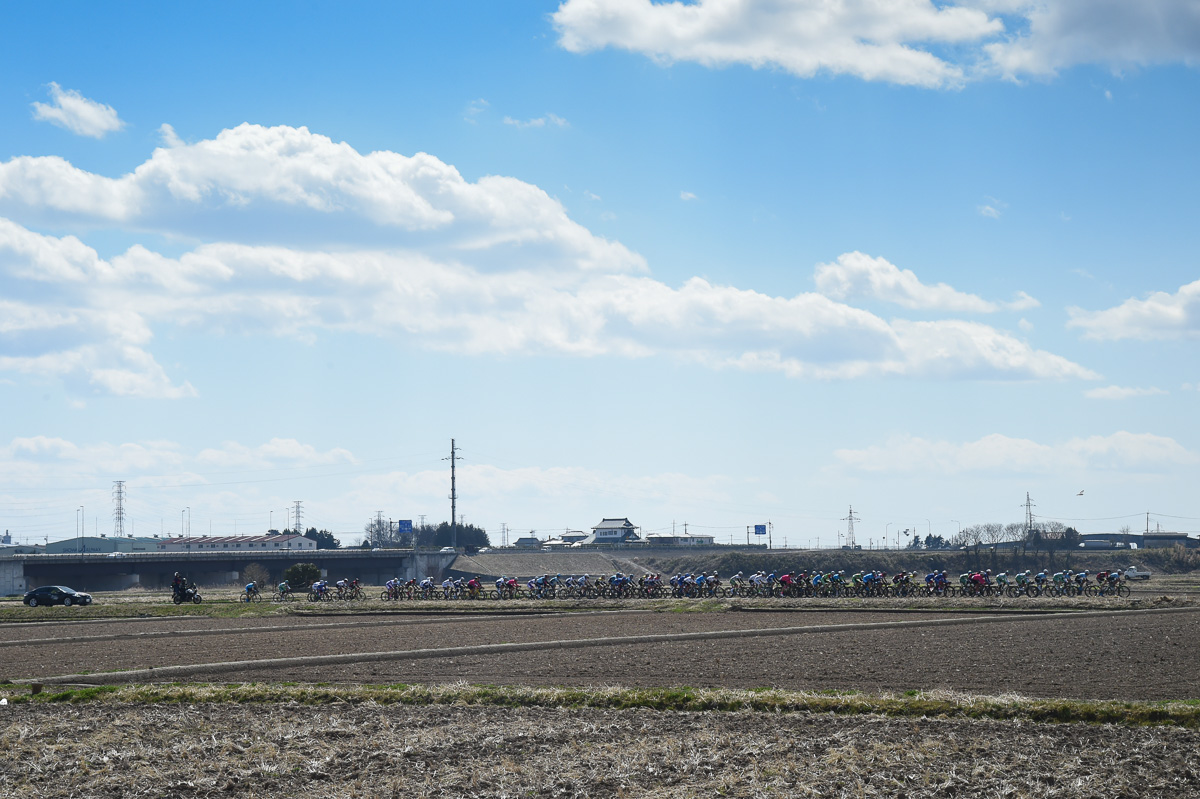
(386, 535)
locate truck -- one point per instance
(1134, 573)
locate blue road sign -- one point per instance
(760, 529)
(404, 526)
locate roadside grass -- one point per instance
(938, 704)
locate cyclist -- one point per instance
(251, 590)
(285, 590)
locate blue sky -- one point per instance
(715, 263)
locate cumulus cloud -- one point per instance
(1000, 454)
(490, 267)
(912, 42)
(72, 111)
(874, 41)
(1113, 33)
(1121, 392)
(1158, 316)
(288, 184)
(857, 275)
(99, 318)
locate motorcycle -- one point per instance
(189, 594)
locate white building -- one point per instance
(613, 531)
(243, 543)
(686, 540)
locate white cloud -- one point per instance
(856, 274)
(873, 41)
(168, 135)
(99, 318)
(1121, 392)
(686, 195)
(1000, 454)
(989, 211)
(276, 452)
(40, 456)
(414, 252)
(911, 42)
(76, 113)
(1159, 316)
(538, 122)
(287, 184)
(1113, 33)
(474, 109)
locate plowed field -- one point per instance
(1121, 656)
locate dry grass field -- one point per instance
(1024, 705)
(209, 749)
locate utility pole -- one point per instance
(453, 496)
(296, 524)
(850, 520)
(119, 510)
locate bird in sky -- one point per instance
(1080, 494)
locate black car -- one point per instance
(56, 595)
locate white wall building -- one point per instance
(237, 543)
(687, 540)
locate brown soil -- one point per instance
(101, 750)
(1120, 657)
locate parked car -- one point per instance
(1134, 573)
(56, 595)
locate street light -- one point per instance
(885, 532)
(82, 524)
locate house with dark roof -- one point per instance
(613, 531)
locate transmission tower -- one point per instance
(850, 520)
(119, 509)
(298, 514)
(453, 495)
(379, 537)
(1029, 506)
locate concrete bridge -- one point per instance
(103, 572)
